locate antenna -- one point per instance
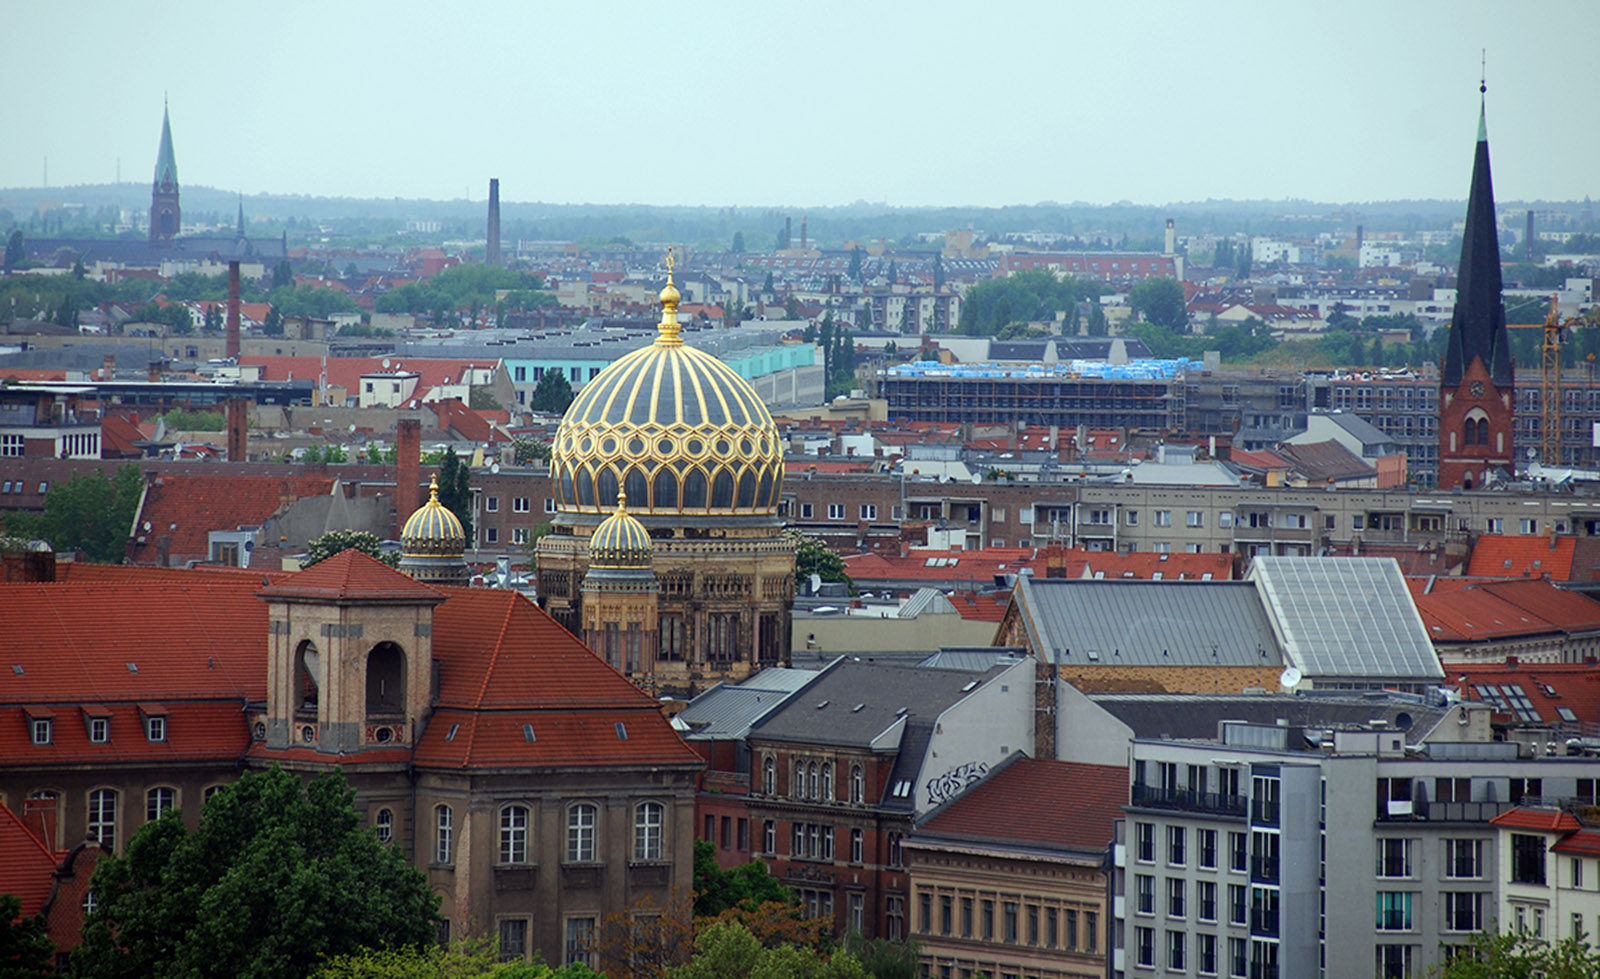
(1483, 70)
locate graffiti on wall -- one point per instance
(943, 788)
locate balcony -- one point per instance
(1445, 812)
(1188, 800)
(1263, 970)
(1264, 869)
(1264, 812)
(1264, 923)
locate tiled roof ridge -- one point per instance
(494, 654)
(77, 654)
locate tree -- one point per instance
(854, 271)
(282, 275)
(527, 451)
(1521, 955)
(812, 556)
(89, 513)
(726, 950)
(26, 951)
(279, 875)
(469, 959)
(646, 940)
(747, 885)
(213, 320)
(483, 399)
(336, 541)
(455, 488)
(273, 325)
(883, 958)
(738, 243)
(14, 251)
(1161, 302)
(553, 395)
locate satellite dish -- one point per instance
(494, 467)
(386, 363)
(352, 426)
(977, 479)
(816, 583)
(1289, 678)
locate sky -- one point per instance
(810, 103)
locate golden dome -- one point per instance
(433, 531)
(674, 428)
(620, 541)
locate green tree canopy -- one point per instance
(727, 950)
(553, 394)
(335, 541)
(309, 300)
(26, 951)
(812, 556)
(90, 513)
(463, 286)
(745, 886)
(469, 959)
(279, 875)
(1030, 295)
(1161, 302)
(1521, 955)
(455, 488)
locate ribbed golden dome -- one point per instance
(620, 541)
(433, 531)
(675, 428)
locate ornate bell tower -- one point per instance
(1476, 389)
(165, 216)
(620, 597)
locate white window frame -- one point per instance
(514, 825)
(444, 839)
(583, 818)
(649, 818)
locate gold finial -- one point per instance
(668, 328)
(433, 490)
(622, 500)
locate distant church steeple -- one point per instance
(165, 216)
(1476, 397)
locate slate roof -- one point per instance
(1147, 623)
(725, 711)
(1196, 716)
(1345, 617)
(1034, 803)
(825, 710)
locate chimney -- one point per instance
(803, 233)
(1527, 239)
(108, 370)
(493, 253)
(232, 351)
(407, 470)
(1044, 709)
(152, 372)
(1172, 238)
(238, 429)
(788, 225)
(1360, 234)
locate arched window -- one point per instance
(858, 784)
(383, 825)
(580, 833)
(722, 489)
(797, 788)
(514, 834)
(386, 679)
(606, 488)
(665, 490)
(856, 842)
(827, 781)
(1483, 431)
(306, 676)
(159, 801)
(647, 823)
(769, 777)
(811, 781)
(444, 838)
(694, 489)
(103, 816)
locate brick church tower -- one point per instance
(165, 217)
(1476, 391)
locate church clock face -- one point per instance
(1475, 389)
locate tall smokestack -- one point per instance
(1360, 236)
(1527, 239)
(788, 225)
(803, 233)
(1172, 238)
(238, 429)
(233, 312)
(493, 256)
(407, 470)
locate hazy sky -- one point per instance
(808, 103)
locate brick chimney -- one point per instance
(407, 470)
(238, 430)
(108, 370)
(232, 351)
(1044, 709)
(492, 253)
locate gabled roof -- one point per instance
(1036, 804)
(859, 704)
(27, 864)
(1557, 694)
(726, 711)
(1548, 820)
(1326, 461)
(1522, 555)
(1146, 623)
(1345, 617)
(1585, 842)
(1468, 610)
(187, 508)
(351, 576)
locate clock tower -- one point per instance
(1477, 395)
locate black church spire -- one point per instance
(1478, 326)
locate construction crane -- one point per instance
(1550, 379)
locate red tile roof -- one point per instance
(1469, 610)
(347, 371)
(1037, 802)
(1515, 556)
(188, 508)
(27, 865)
(1549, 820)
(1585, 842)
(351, 576)
(1574, 686)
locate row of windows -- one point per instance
(42, 729)
(1463, 858)
(1019, 922)
(1177, 849)
(104, 808)
(809, 841)
(578, 946)
(519, 504)
(836, 511)
(19, 486)
(582, 832)
(813, 780)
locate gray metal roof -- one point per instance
(1196, 716)
(975, 659)
(926, 600)
(1346, 617)
(853, 703)
(1148, 623)
(725, 712)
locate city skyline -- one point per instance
(713, 104)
